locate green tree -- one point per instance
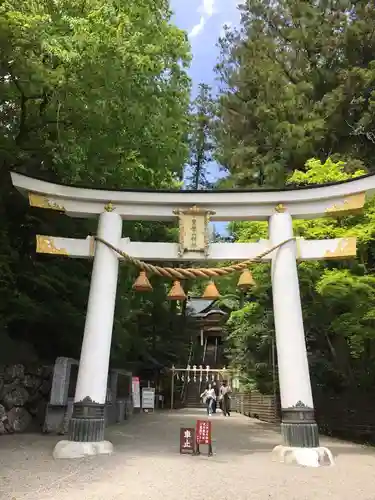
(201, 139)
(94, 93)
(337, 298)
(117, 125)
(298, 81)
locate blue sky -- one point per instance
(203, 20)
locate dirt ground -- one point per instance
(147, 465)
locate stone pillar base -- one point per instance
(307, 457)
(87, 423)
(298, 427)
(300, 435)
(78, 449)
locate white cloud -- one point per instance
(206, 9)
(198, 28)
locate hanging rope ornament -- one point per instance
(191, 272)
(176, 292)
(211, 292)
(246, 280)
(142, 283)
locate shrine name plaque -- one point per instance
(193, 230)
(187, 440)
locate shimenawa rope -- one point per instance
(191, 272)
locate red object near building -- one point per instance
(203, 433)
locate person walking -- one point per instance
(216, 389)
(209, 397)
(225, 391)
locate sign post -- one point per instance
(148, 399)
(187, 440)
(204, 435)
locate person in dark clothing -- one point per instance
(214, 405)
(225, 391)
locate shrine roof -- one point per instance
(198, 308)
(196, 305)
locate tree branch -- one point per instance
(43, 105)
(22, 124)
(287, 73)
(14, 80)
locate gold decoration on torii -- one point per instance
(109, 207)
(280, 208)
(351, 205)
(45, 244)
(40, 201)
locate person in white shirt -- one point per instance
(209, 396)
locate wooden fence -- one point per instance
(349, 415)
(257, 405)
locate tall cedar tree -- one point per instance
(200, 141)
(298, 81)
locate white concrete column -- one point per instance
(294, 376)
(87, 424)
(96, 345)
(299, 430)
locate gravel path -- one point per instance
(147, 465)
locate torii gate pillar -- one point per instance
(86, 427)
(298, 426)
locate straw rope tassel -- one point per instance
(190, 272)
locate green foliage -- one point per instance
(338, 298)
(99, 86)
(318, 173)
(94, 93)
(250, 338)
(298, 82)
(200, 139)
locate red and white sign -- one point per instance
(203, 433)
(136, 393)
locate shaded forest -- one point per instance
(97, 94)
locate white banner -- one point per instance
(136, 392)
(148, 398)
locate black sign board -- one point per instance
(187, 440)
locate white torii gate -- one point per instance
(299, 429)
